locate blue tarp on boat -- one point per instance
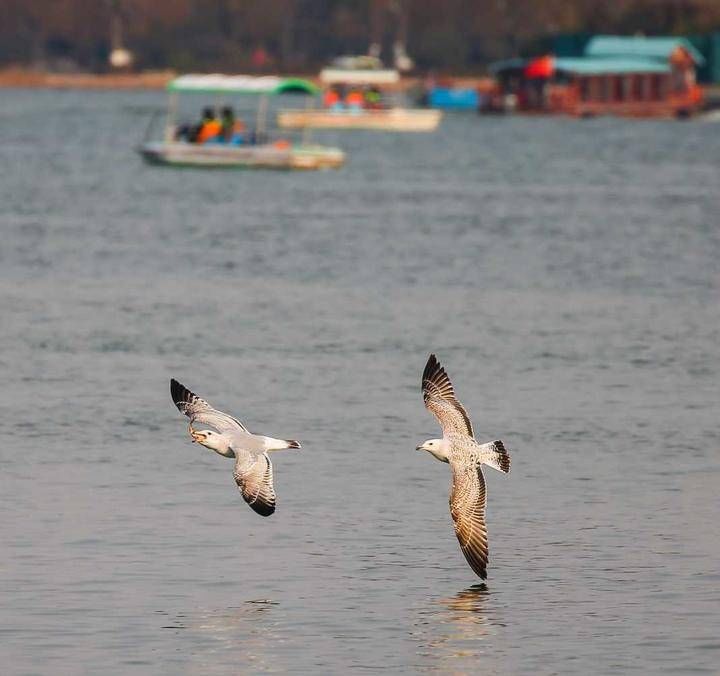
(453, 99)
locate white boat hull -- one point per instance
(391, 119)
(266, 156)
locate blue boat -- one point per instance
(449, 98)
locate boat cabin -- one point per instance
(358, 89)
(223, 88)
(361, 99)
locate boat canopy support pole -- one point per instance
(170, 122)
(306, 132)
(261, 120)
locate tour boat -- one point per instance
(382, 113)
(254, 148)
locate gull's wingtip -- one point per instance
(432, 363)
(293, 443)
(432, 368)
(176, 390)
(179, 394)
(263, 508)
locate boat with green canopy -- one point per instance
(226, 141)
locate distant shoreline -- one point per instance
(19, 77)
(24, 77)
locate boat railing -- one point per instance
(251, 138)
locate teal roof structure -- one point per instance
(614, 54)
(240, 84)
(507, 64)
(583, 65)
(660, 48)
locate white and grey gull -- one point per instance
(253, 470)
(466, 457)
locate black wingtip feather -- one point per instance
(430, 367)
(433, 372)
(180, 394)
(263, 509)
(477, 565)
(176, 390)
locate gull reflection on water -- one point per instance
(453, 631)
(240, 635)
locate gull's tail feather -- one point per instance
(497, 456)
(280, 444)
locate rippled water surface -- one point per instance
(567, 274)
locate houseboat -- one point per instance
(627, 76)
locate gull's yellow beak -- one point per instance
(196, 436)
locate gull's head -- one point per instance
(212, 440)
(436, 447)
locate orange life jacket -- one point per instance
(209, 130)
(354, 99)
(331, 98)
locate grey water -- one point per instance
(565, 272)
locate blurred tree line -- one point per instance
(301, 35)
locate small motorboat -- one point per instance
(250, 149)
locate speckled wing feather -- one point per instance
(467, 507)
(439, 398)
(198, 410)
(254, 478)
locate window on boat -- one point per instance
(637, 88)
(584, 88)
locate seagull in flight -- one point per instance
(253, 470)
(466, 457)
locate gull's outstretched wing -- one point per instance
(439, 398)
(199, 410)
(255, 481)
(467, 507)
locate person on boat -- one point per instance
(239, 134)
(227, 122)
(373, 98)
(331, 99)
(210, 127)
(184, 132)
(354, 100)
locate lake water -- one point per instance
(565, 272)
